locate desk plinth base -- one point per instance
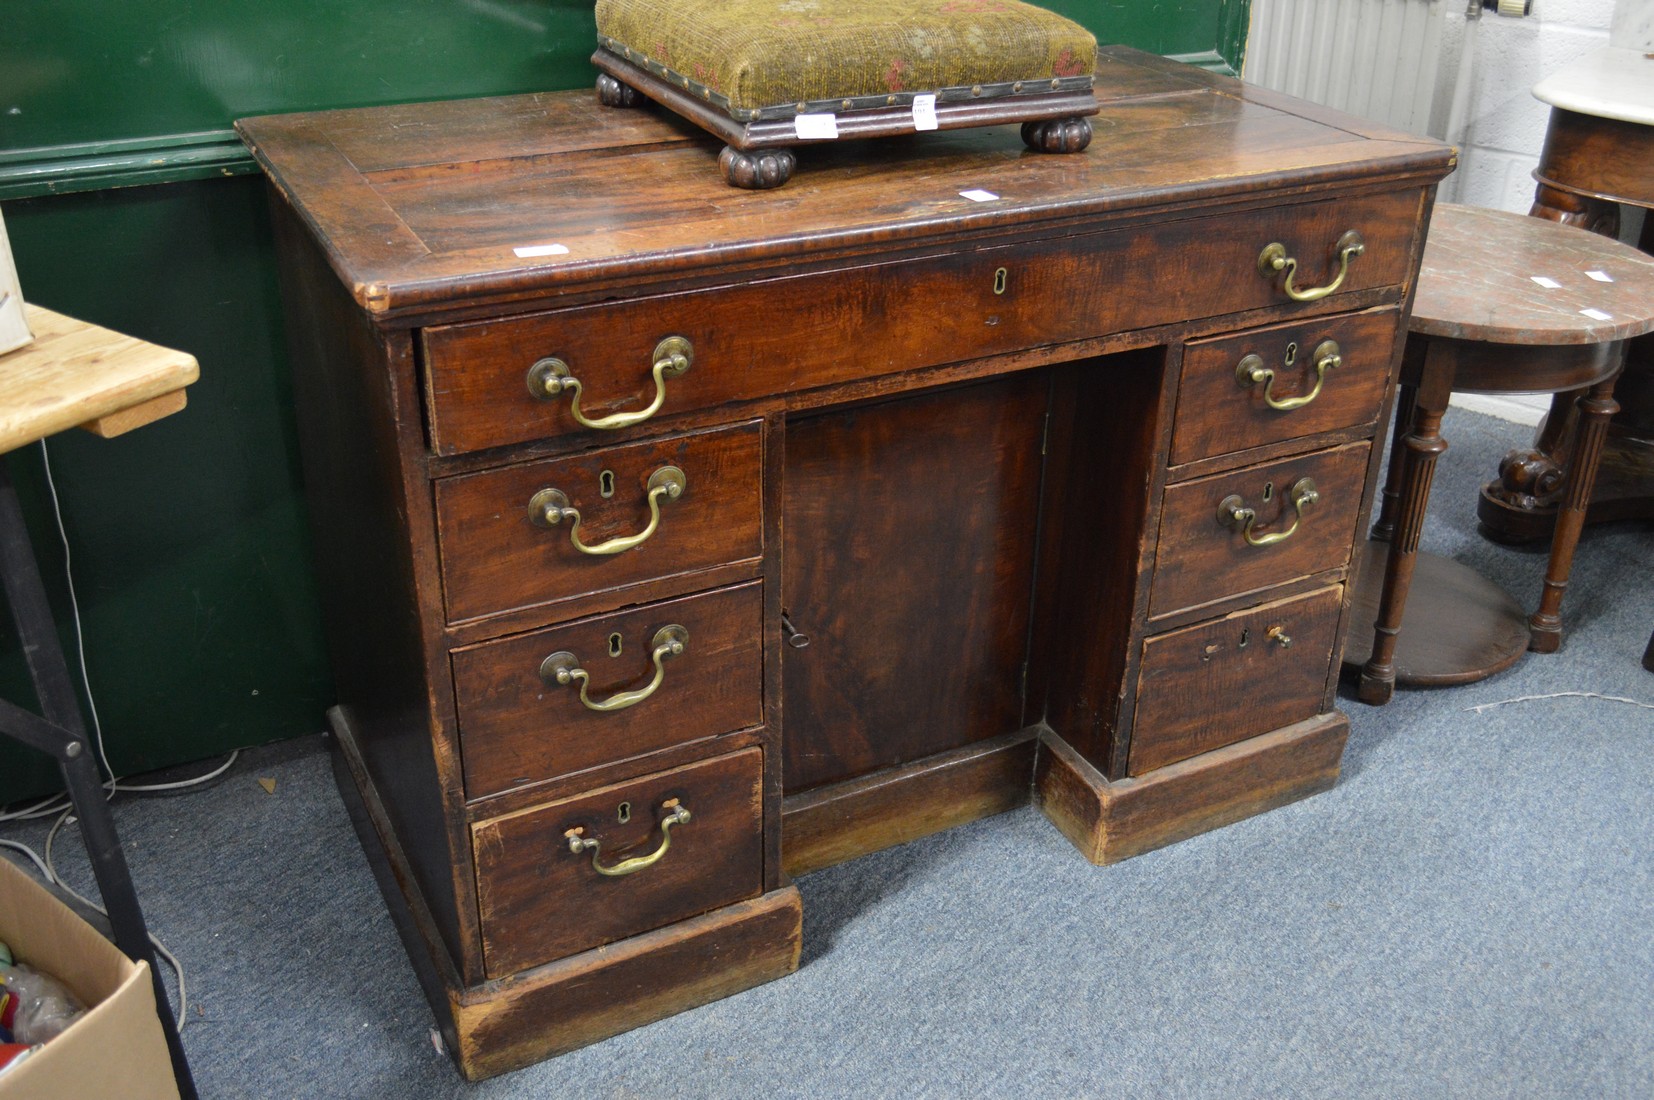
(1110, 821)
(503, 1025)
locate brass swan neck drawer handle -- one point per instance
(563, 668)
(550, 378)
(578, 843)
(1273, 259)
(1233, 512)
(1250, 371)
(549, 507)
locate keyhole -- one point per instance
(614, 645)
(1268, 491)
(1246, 636)
(1000, 277)
(606, 484)
(624, 813)
(1291, 353)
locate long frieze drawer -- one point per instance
(609, 688)
(1255, 527)
(1283, 381)
(1211, 685)
(626, 859)
(567, 527)
(490, 383)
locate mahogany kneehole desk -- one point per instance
(676, 539)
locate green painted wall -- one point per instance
(130, 204)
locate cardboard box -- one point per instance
(117, 1049)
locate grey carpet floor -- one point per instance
(1469, 913)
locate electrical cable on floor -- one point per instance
(59, 803)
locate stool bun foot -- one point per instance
(756, 171)
(1057, 135)
(612, 93)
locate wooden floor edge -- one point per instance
(832, 824)
(573, 1002)
(1110, 821)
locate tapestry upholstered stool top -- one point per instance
(768, 74)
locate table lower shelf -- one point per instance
(1458, 627)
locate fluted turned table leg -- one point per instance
(1420, 449)
(1389, 499)
(1596, 409)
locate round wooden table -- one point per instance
(1505, 304)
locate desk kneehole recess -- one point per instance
(1050, 495)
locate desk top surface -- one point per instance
(1611, 82)
(500, 200)
(1513, 279)
(75, 373)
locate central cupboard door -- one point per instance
(908, 564)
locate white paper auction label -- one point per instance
(816, 127)
(924, 112)
(530, 251)
(976, 194)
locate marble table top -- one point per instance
(1611, 82)
(1509, 278)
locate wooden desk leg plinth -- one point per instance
(1420, 449)
(1596, 409)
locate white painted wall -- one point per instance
(1506, 124)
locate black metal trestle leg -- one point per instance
(61, 732)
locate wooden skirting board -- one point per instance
(1111, 821)
(844, 820)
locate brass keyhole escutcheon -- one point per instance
(624, 813)
(1268, 491)
(615, 642)
(1001, 277)
(1292, 353)
(606, 484)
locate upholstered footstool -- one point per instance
(767, 75)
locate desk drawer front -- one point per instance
(496, 557)
(540, 901)
(1207, 552)
(1225, 405)
(1211, 685)
(519, 724)
(786, 335)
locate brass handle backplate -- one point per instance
(550, 507)
(1250, 371)
(579, 843)
(1233, 512)
(563, 668)
(1273, 260)
(551, 377)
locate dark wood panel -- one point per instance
(1218, 415)
(495, 559)
(516, 729)
(1201, 559)
(351, 390)
(907, 559)
(1220, 682)
(539, 901)
(842, 325)
(1108, 426)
